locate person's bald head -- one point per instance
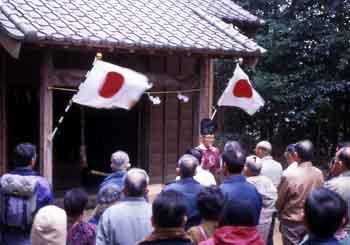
(304, 150)
(253, 166)
(263, 148)
(135, 182)
(343, 156)
(187, 165)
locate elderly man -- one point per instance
(341, 183)
(270, 168)
(203, 176)
(292, 193)
(289, 154)
(120, 163)
(127, 222)
(266, 189)
(189, 187)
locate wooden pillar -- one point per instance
(3, 115)
(206, 86)
(206, 89)
(46, 115)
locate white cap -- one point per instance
(49, 226)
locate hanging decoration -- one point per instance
(152, 96)
(183, 98)
(154, 99)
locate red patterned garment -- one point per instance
(82, 234)
(210, 158)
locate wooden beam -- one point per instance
(46, 117)
(3, 115)
(73, 78)
(66, 77)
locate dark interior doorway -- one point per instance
(106, 131)
(23, 118)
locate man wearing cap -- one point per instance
(120, 163)
(266, 189)
(210, 153)
(270, 168)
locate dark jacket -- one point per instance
(318, 241)
(190, 189)
(237, 187)
(168, 236)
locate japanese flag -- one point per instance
(110, 86)
(240, 93)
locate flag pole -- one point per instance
(214, 113)
(52, 135)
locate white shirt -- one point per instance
(272, 170)
(290, 168)
(268, 193)
(203, 177)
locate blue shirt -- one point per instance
(114, 178)
(190, 189)
(237, 187)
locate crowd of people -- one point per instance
(225, 198)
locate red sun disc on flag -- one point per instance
(111, 85)
(242, 89)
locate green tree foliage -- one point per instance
(304, 77)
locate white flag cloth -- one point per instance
(240, 93)
(110, 86)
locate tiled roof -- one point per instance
(152, 24)
(228, 11)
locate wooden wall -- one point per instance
(166, 131)
(174, 124)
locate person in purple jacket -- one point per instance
(22, 193)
